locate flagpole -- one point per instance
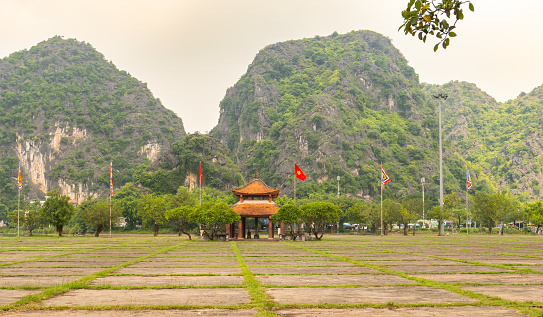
(467, 233)
(200, 183)
(295, 190)
(381, 199)
(19, 186)
(18, 205)
(110, 193)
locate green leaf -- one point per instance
(436, 47)
(420, 36)
(471, 7)
(418, 5)
(452, 34)
(460, 15)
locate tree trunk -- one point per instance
(490, 230)
(30, 232)
(59, 230)
(441, 228)
(99, 229)
(155, 233)
(404, 229)
(414, 227)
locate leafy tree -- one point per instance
(358, 213)
(535, 213)
(57, 210)
(391, 213)
(213, 216)
(152, 210)
(30, 217)
(437, 213)
(430, 17)
(318, 215)
(449, 205)
(291, 215)
(414, 209)
(181, 208)
(505, 204)
(96, 213)
(126, 199)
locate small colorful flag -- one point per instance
(111, 177)
(201, 176)
(19, 181)
(299, 173)
(468, 179)
(384, 177)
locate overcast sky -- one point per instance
(189, 52)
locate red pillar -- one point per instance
(282, 227)
(241, 228)
(228, 227)
(270, 229)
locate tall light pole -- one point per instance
(338, 186)
(422, 180)
(444, 97)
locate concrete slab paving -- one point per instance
(502, 278)
(136, 313)
(447, 269)
(297, 263)
(312, 270)
(41, 281)
(401, 312)
(376, 295)
(168, 280)
(178, 270)
(12, 295)
(37, 264)
(50, 271)
(184, 264)
(359, 279)
(150, 297)
(521, 293)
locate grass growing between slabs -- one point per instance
(276, 277)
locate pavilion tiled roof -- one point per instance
(259, 208)
(256, 187)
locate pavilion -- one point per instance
(255, 201)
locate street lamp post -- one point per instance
(338, 186)
(444, 97)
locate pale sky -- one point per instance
(190, 51)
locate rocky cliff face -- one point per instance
(68, 113)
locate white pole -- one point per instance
(110, 214)
(381, 171)
(18, 205)
(295, 190)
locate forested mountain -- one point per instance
(504, 140)
(67, 113)
(337, 105)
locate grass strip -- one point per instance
(80, 283)
(259, 299)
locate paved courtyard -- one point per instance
(343, 275)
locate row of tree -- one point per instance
(139, 209)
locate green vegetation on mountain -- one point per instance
(337, 105)
(68, 113)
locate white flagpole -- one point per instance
(295, 189)
(19, 185)
(381, 199)
(110, 193)
(18, 205)
(467, 233)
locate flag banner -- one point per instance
(19, 181)
(299, 173)
(384, 177)
(111, 177)
(201, 176)
(468, 179)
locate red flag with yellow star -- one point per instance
(299, 173)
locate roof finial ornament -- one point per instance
(257, 174)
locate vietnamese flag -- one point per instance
(299, 173)
(201, 176)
